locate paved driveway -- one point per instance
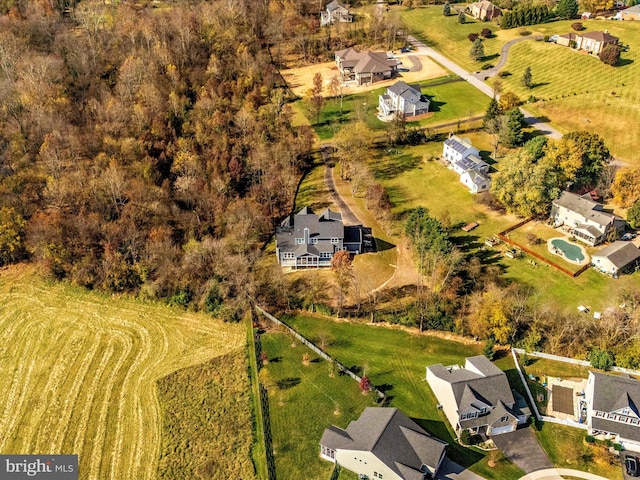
(560, 474)
(523, 449)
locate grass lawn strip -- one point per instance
(94, 393)
(303, 401)
(382, 353)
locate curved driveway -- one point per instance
(559, 474)
(479, 84)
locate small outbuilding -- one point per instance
(619, 257)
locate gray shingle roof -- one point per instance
(472, 389)
(401, 87)
(478, 177)
(630, 432)
(606, 385)
(620, 253)
(334, 5)
(322, 228)
(392, 437)
(470, 162)
(586, 207)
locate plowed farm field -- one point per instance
(79, 372)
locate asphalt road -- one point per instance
(543, 127)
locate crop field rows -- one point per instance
(80, 371)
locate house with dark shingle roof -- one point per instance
(592, 42)
(335, 12)
(477, 397)
(616, 258)
(365, 67)
(402, 98)
(613, 404)
(384, 443)
(586, 218)
(305, 239)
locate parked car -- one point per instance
(405, 49)
(631, 465)
(553, 38)
(628, 236)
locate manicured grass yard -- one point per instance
(452, 100)
(79, 372)
(395, 361)
(576, 91)
(303, 401)
(566, 449)
(599, 98)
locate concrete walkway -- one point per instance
(480, 85)
(559, 474)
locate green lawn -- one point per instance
(566, 449)
(303, 401)
(395, 361)
(600, 98)
(449, 37)
(451, 100)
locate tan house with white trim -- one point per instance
(484, 10)
(592, 42)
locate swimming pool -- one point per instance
(571, 251)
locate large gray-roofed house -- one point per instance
(477, 397)
(305, 239)
(615, 258)
(402, 98)
(613, 408)
(365, 67)
(586, 218)
(384, 443)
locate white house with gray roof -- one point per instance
(613, 408)
(477, 397)
(384, 444)
(464, 159)
(585, 218)
(616, 258)
(335, 12)
(305, 239)
(402, 98)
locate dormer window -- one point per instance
(313, 241)
(335, 240)
(299, 241)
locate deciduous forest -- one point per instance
(146, 149)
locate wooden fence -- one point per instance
(503, 236)
(317, 349)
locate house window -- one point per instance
(325, 254)
(288, 255)
(335, 240)
(313, 241)
(299, 241)
(504, 419)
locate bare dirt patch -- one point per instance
(300, 79)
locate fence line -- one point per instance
(263, 404)
(573, 361)
(503, 236)
(316, 349)
(526, 385)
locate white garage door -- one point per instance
(499, 430)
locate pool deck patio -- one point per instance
(557, 251)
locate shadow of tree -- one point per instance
(288, 382)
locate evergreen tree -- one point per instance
(633, 215)
(511, 128)
(477, 50)
(493, 111)
(462, 18)
(527, 78)
(446, 10)
(567, 8)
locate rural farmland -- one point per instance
(80, 372)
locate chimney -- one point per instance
(306, 236)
